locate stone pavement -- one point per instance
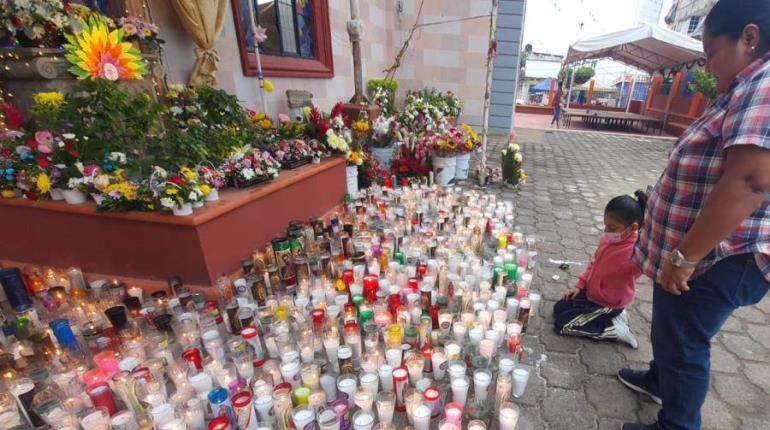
(572, 176)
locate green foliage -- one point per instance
(106, 118)
(582, 75)
(705, 83)
(512, 163)
(383, 93)
(446, 102)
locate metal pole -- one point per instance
(260, 76)
(488, 87)
(571, 83)
(631, 93)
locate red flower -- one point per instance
(13, 116)
(48, 27)
(67, 7)
(71, 148)
(177, 180)
(16, 21)
(337, 109)
(43, 161)
(5, 152)
(323, 127)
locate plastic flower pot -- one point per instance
(74, 197)
(352, 177)
(56, 194)
(444, 170)
(185, 209)
(461, 168)
(213, 195)
(197, 205)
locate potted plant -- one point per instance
(512, 164)
(291, 153)
(121, 193)
(177, 193)
(444, 149)
(211, 180)
(34, 23)
(354, 159)
(470, 140)
(384, 133)
(248, 167)
(142, 34)
(383, 93)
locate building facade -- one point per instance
(686, 16)
(448, 53)
(649, 11)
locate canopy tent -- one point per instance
(543, 86)
(647, 47)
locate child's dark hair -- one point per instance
(627, 209)
(730, 17)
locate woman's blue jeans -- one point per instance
(682, 328)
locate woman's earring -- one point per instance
(753, 48)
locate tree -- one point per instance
(582, 75)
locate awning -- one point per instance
(543, 86)
(646, 47)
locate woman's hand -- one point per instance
(571, 294)
(674, 279)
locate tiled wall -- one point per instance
(448, 56)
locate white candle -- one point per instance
(421, 416)
(307, 353)
(439, 362)
(135, 292)
(290, 373)
(520, 377)
(329, 385)
(370, 382)
(386, 377)
(264, 406)
(481, 380)
(456, 371)
(506, 365)
(460, 390)
(509, 416)
(393, 356)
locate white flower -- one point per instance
(110, 72)
(176, 110)
(61, 144)
(167, 202)
(79, 166)
(193, 195)
(518, 157)
(118, 157)
(514, 147)
(68, 136)
(247, 174)
(74, 183)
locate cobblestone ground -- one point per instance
(572, 176)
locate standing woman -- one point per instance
(557, 105)
(706, 237)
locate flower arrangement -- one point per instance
(384, 132)
(383, 94)
(446, 102)
(471, 141)
(370, 171)
(179, 189)
(262, 127)
(291, 152)
(143, 32)
(248, 166)
(419, 114)
(46, 108)
(211, 178)
(34, 23)
(411, 158)
(355, 158)
(447, 143)
(118, 193)
(512, 163)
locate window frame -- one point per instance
(693, 20)
(284, 66)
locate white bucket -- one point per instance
(184, 210)
(384, 156)
(74, 197)
(197, 205)
(352, 176)
(444, 170)
(213, 195)
(461, 169)
(56, 194)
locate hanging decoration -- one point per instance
(97, 52)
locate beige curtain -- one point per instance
(202, 20)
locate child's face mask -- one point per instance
(613, 237)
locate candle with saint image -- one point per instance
(400, 380)
(439, 361)
(290, 373)
(460, 390)
(264, 406)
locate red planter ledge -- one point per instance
(156, 246)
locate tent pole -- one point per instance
(631, 93)
(488, 87)
(569, 91)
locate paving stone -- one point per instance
(557, 343)
(751, 314)
(744, 347)
(563, 371)
(611, 398)
(610, 423)
(760, 333)
(758, 374)
(721, 360)
(648, 410)
(733, 324)
(535, 391)
(739, 393)
(530, 419)
(568, 409)
(601, 358)
(716, 415)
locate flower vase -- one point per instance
(185, 209)
(74, 197)
(444, 170)
(384, 156)
(98, 198)
(352, 177)
(461, 168)
(197, 205)
(56, 194)
(213, 195)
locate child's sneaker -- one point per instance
(624, 332)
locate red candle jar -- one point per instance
(101, 396)
(193, 358)
(427, 354)
(347, 277)
(432, 396)
(400, 381)
(371, 286)
(394, 301)
(319, 316)
(422, 270)
(413, 284)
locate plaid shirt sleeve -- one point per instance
(747, 120)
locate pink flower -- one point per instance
(283, 117)
(259, 34)
(44, 140)
(280, 154)
(91, 170)
(511, 136)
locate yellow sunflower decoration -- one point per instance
(97, 52)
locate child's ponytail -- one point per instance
(627, 209)
(641, 199)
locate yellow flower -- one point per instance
(43, 183)
(306, 111)
(172, 94)
(268, 86)
(147, 32)
(8, 194)
(188, 173)
(259, 116)
(205, 189)
(98, 52)
(171, 191)
(360, 127)
(266, 124)
(52, 99)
